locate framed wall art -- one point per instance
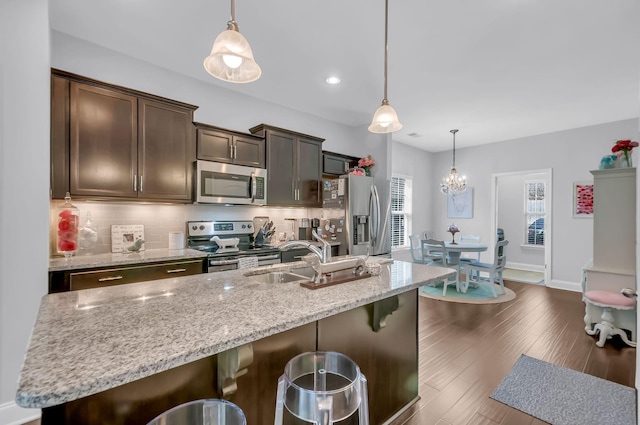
(460, 205)
(583, 199)
(125, 236)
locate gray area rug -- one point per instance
(563, 396)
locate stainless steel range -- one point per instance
(228, 241)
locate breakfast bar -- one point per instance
(88, 344)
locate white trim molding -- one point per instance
(566, 285)
(12, 414)
(527, 267)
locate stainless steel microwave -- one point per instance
(219, 183)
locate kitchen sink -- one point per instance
(303, 271)
(278, 277)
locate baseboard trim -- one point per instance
(12, 414)
(523, 266)
(566, 285)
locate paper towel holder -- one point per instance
(176, 240)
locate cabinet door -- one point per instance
(165, 150)
(257, 389)
(309, 155)
(215, 145)
(280, 168)
(388, 358)
(103, 142)
(59, 137)
(248, 151)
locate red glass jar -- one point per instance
(68, 216)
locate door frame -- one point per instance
(548, 196)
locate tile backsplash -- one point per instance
(161, 219)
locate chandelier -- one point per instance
(453, 183)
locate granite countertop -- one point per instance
(92, 340)
(117, 259)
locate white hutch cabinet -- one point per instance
(614, 241)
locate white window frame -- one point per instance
(533, 212)
(406, 212)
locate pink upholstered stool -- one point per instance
(608, 301)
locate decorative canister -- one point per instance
(68, 221)
(607, 162)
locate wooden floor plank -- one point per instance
(465, 350)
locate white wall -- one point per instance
(570, 154)
(416, 163)
(24, 186)
(511, 219)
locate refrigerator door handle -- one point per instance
(376, 205)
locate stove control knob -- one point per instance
(201, 227)
(244, 226)
(194, 227)
(248, 226)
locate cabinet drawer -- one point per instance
(122, 275)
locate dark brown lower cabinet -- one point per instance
(387, 356)
(74, 280)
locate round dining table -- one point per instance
(455, 249)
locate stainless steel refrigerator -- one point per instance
(357, 213)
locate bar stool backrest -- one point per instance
(202, 412)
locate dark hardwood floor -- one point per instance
(465, 351)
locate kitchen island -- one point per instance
(94, 341)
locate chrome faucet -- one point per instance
(323, 254)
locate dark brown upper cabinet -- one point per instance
(222, 145)
(294, 167)
(110, 142)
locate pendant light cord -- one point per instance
(454, 147)
(386, 44)
(233, 10)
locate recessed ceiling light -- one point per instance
(333, 80)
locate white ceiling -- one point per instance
(495, 69)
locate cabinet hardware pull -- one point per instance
(106, 279)
(235, 152)
(176, 271)
(141, 183)
(231, 151)
(135, 183)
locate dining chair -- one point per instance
(470, 257)
(417, 253)
(436, 248)
(474, 270)
(428, 234)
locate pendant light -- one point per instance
(231, 58)
(385, 120)
(453, 184)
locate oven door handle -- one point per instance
(222, 262)
(268, 257)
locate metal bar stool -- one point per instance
(322, 387)
(202, 412)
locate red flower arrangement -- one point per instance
(366, 163)
(624, 148)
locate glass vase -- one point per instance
(68, 216)
(624, 161)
